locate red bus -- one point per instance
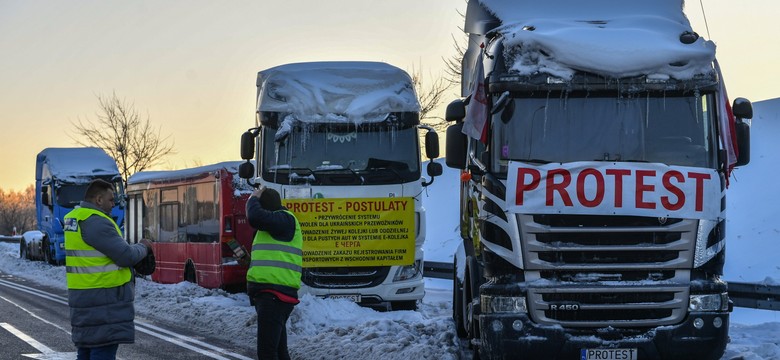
(191, 215)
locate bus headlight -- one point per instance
(709, 302)
(503, 304)
(407, 272)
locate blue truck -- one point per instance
(61, 179)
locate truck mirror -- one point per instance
(45, 197)
(434, 169)
(743, 142)
(247, 146)
(456, 147)
(246, 170)
(456, 111)
(432, 144)
(742, 108)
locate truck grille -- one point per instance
(345, 278)
(621, 271)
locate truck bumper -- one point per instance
(376, 296)
(501, 340)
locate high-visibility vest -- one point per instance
(277, 262)
(87, 268)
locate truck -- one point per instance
(61, 179)
(595, 143)
(339, 141)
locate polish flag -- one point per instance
(475, 122)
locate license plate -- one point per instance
(608, 354)
(353, 298)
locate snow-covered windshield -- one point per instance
(342, 154)
(658, 128)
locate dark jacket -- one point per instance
(102, 317)
(280, 225)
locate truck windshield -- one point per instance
(71, 195)
(342, 155)
(674, 130)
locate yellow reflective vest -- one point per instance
(87, 268)
(277, 262)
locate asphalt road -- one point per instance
(34, 323)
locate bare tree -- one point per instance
(120, 131)
(17, 211)
(454, 64)
(430, 96)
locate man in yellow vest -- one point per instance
(274, 274)
(100, 286)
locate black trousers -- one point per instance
(272, 315)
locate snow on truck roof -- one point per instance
(74, 164)
(347, 91)
(615, 38)
(145, 176)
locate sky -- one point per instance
(191, 66)
(338, 329)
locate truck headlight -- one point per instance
(709, 302)
(503, 304)
(407, 272)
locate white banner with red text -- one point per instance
(614, 188)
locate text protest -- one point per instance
(602, 188)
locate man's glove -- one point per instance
(147, 265)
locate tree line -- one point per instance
(17, 211)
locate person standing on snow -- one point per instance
(100, 282)
(274, 274)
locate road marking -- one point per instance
(36, 316)
(46, 353)
(186, 342)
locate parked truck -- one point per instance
(595, 142)
(61, 179)
(339, 141)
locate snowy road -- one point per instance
(34, 321)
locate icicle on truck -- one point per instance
(594, 173)
(339, 141)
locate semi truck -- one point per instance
(339, 141)
(61, 179)
(595, 142)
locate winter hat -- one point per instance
(270, 200)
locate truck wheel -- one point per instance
(189, 273)
(471, 298)
(457, 303)
(46, 249)
(23, 250)
(404, 305)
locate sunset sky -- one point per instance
(191, 65)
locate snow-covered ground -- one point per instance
(338, 329)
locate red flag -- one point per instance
(726, 127)
(477, 111)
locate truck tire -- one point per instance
(470, 300)
(458, 310)
(23, 254)
(46, 250)
(189, 273)
(404, 305)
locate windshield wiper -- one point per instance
(394, 171)
(341, 171)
